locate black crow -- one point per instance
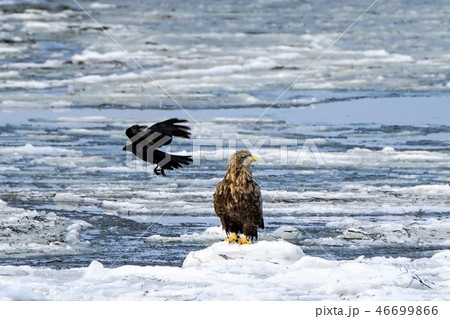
(145, 141)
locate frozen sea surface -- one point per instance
(369, 180)
(267, 270)
(214, 53)
(354, 164)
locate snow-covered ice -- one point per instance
(26, 233)
(274, 270)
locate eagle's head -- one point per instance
(239, 166)
(242, 158)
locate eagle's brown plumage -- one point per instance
(237, 199)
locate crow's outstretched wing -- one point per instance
(169, 161)
(160, 133)
(172, 128)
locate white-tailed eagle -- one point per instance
(238, 201)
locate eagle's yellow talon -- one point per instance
(244, 240)
(232, 238)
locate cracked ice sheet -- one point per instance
(267, 270)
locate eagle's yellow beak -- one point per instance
(254, 158)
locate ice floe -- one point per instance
(432, 232)
(273, 270)
(25, 233)
(216, 233)
(29, 149)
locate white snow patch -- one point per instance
(78, 162)
(262, 251)
(216, 233)
(273, 270)
(14, 104)
(286, 232)
(29, 149)
(83, 119)
(9, 49)
(9, 74)
(48, 64)
(40, 26)
(98, 5)
(88, 55)
(61, 104)
(92, 79)
(37, 14)
(310, 156)
(73, 231)
(211, 234)
(67, 197)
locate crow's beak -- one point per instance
(254, 158)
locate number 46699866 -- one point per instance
(407, 310)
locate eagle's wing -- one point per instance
(258, 205)
(223, 205)
(219, 197)
(251, 206)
